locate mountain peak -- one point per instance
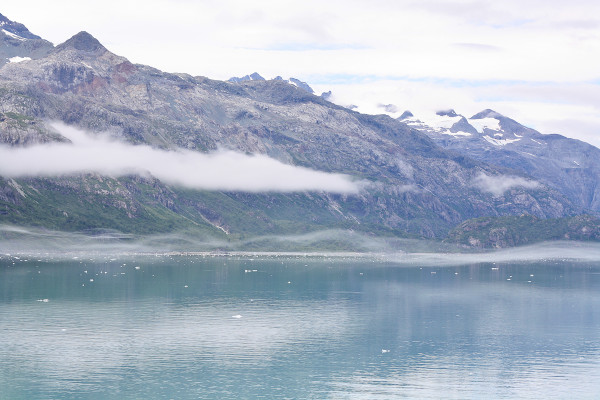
(487, 113)
(252, 77)
(447, 113)
(406, 114)
(82, 41)
(298, 83)
(15, 28)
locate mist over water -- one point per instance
(20, 240)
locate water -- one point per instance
(307, 328)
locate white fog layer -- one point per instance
(220, 170)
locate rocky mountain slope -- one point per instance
(510, 231)
(568, 165)
(415, 187)
(18, 44)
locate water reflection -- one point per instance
(192, 327)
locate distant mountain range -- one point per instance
(256, 77)
(418, 179)
(570, 166)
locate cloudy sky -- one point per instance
(535, 61)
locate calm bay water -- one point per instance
(308, 328)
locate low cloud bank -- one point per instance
(21, 241)
(497, 185)
(29, 240)
(571, 251)
(221, 170)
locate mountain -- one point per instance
(510, 231)
(410, 186)
(570, 166)
(298, 83)
(256, 77)
(18, 44)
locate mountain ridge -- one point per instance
(417, 188)
(18, 44)
(568, 165)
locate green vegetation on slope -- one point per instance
(509, 231)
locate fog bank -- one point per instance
(497, 185)
(221, 170)
(330, 243)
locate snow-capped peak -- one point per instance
(255, 76)
(447, 113)
(15, 30)
(487, 113)
(483, 124)
(492, 127)
(296, 82)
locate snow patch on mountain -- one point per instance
(437, 123)
(18, 59)
(499, 142)
(485, 123)
(298, 83)
(12, 35)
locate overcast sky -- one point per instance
(537, 61)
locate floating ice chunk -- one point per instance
(238, 316)
(137, 267)
(383, 351)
